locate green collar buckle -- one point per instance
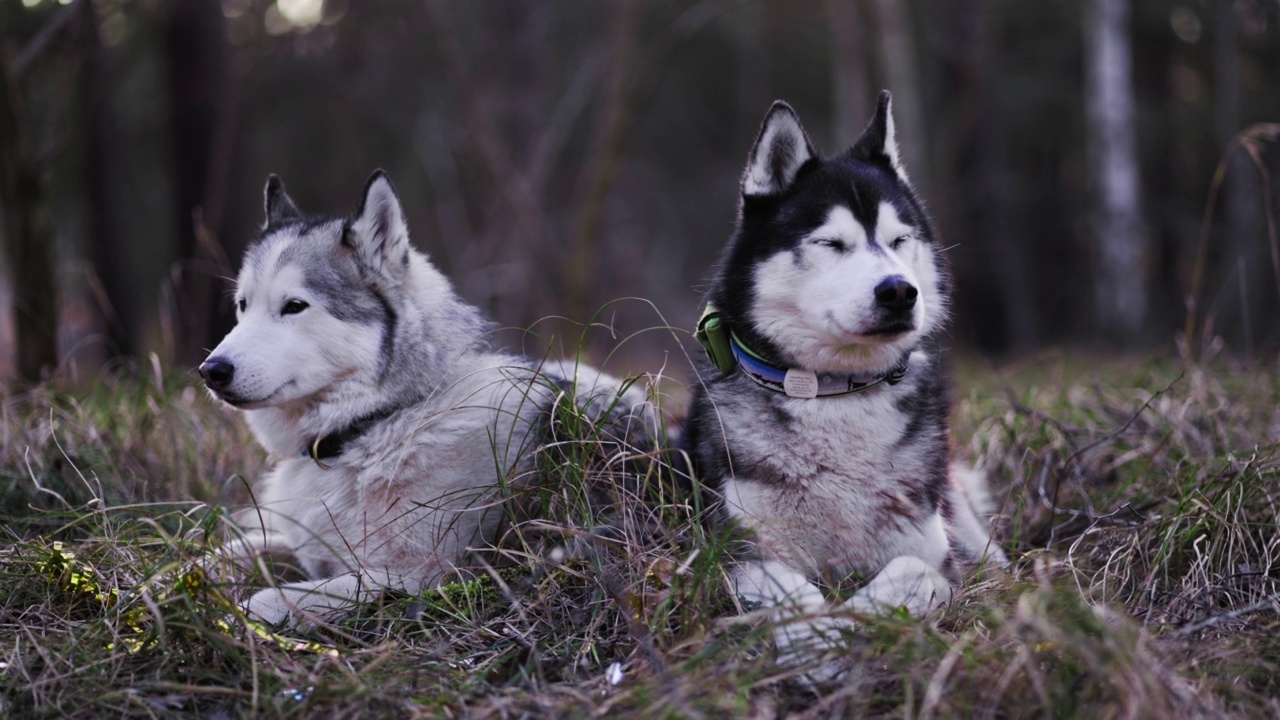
(713, 336)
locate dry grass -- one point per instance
(1139, 500)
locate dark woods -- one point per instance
(555, 156)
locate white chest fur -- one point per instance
(833, 489)
(410, 496)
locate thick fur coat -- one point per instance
(396, 428)
(834, 273)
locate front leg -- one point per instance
(235, 557)
(252, 537)
(251, 546)
(803, 629)
(311, 601)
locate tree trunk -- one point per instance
(196, 54)
(1242, 263)
(849, 68)
(105, 252)
(898, 54)
(1120, 246)
(28, 241)
(976, 186)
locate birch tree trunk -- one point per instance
(898, 58)
(1120, 246)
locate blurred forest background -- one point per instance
(554, 156)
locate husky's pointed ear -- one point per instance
(277, 203)
(879, 141)
(781, 149)
(378, 232)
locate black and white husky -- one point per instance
(822, 416)
(371, 382)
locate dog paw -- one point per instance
(814, 647)
(271, 607)
(906, 582)
(810, 635)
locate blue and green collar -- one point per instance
(807, 384)
(727, 351)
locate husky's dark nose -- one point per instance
(217, 373)
(894, 293)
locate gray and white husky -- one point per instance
(393, 422)
(821, 419)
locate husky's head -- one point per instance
(315, 306)
(833, 266)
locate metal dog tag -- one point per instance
(801, 384)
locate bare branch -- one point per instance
(36, 46)
(512, 186)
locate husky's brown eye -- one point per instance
(897, 242)
(293, 307)
(241, 304)
(831, 243)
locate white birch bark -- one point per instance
(897, 48)
(1120, 246)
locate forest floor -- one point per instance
(1139, 501)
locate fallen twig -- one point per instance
(1272, 601)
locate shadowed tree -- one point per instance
(976, 194)
(105, 251)
(28, 239)
(1243, 281)
(849, 87)
(195, 47)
